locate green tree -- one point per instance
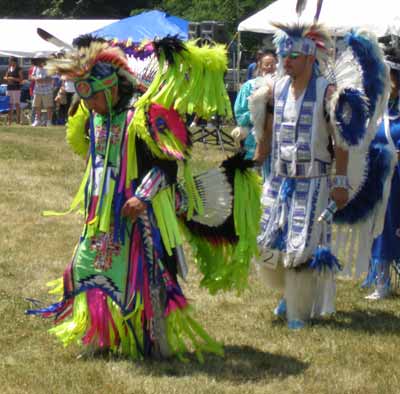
(88, 9)
(228, 11)
(23, 8)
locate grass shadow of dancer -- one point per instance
(240, 364)
(371, 321)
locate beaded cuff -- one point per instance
(340, 181)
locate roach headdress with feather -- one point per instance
(307, 39)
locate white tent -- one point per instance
(19, 37)
(379, 16)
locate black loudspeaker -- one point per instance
(213, 31)
(194, 30)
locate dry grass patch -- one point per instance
(354, 352)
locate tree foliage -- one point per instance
(229, 11)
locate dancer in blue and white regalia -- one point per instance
(298, 136)
(302, 121)
(386, 247)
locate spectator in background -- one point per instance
(253, 70)
(30, 72)
(244, 132)
(64, 98)
(14, 78)
(61, 104)
(268, 63)
(32, 85)
(42, 93)
(69, 87)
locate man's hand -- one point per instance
(341, 196)
(133, 208)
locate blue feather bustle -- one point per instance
(351, 115)
(371, 193)
(356, 107)
(369, 57)
(324, 260)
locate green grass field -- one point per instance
(355, 351)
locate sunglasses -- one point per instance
(291, 55)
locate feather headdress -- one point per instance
(309, 39)
(80, 64)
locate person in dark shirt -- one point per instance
(14, 78)
(253, 70)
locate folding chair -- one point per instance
(4, 107)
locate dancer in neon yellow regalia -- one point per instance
(120, 291)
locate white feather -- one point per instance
(348, 73)
(354, 243)
(144, 69)
(257, 106)
(216, 194)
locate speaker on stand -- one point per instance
(213, 31)
(210, 132)
(194, 30)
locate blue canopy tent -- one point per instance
(147, 25)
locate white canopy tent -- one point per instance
(18, 37)
(380, 17)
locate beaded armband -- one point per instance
(151, 184)
(340, 181)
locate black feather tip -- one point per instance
(168, 45)
(84, 40)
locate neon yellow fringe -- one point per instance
(195, 204)
(180, 328)
(76, 131)
(226, 266)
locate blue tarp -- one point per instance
(148, 25)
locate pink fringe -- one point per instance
(134, 285)
(92, 211)
(174, 153)
(100, 320)
(178, 302)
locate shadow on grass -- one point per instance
(373, 321)
(240, 364)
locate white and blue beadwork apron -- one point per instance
(297, 191)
